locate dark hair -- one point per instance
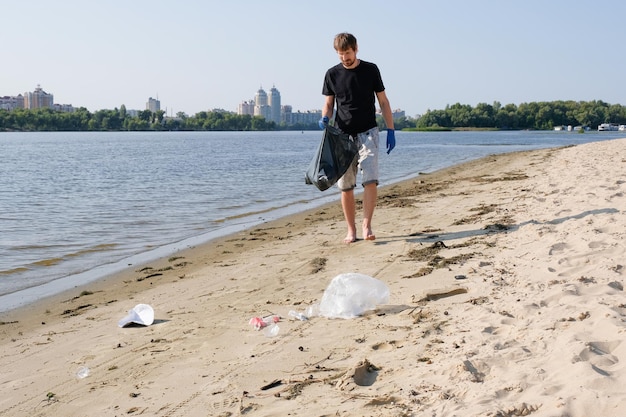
(345, 41)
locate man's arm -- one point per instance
(385, 108)
(329, 105)
(327, 112)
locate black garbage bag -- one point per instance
(334, 155)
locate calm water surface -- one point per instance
(77, 206)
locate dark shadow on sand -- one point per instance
(141, 326)
(488, 230)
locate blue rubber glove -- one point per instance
(391, 140)
(323, 122)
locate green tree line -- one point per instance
(46, 119)
(534, 115)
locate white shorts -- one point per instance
(367, 161)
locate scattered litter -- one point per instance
(260, 322)
(350, 295)
(83, 372)
(271, 330)
(313, 310)
(299, 316)
(269, 324)
(141, 314)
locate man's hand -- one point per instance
(323, 122)
(391, 140)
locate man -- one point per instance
(354, 84)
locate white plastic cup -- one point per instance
(83, 372)
(271, 330)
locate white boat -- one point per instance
(621, 128)
(605, 127)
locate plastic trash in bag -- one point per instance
(333, 158)
(350, 295)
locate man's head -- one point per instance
(346, 47)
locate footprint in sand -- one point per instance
(600, 357)
(557, 248)
(364, 374)
(596, 245)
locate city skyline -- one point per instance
(153, 104)
(209, 55)
(267, 106)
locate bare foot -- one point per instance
(351, 236)
(368, 234)
(349, 239)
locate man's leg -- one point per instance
(369, 204)
(349, 212)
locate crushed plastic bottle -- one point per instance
(313, 310)
(83, 372)
(299, 316)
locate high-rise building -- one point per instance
(304, 118)
(67, 108)
(38, 99)
(286, 114)
(263, 105)
(274, 102)
(12, 102)
(270, 108)
(153, 104)
(261, 108)
(246, 107)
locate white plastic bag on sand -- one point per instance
(350, 295)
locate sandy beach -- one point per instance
(505, 277)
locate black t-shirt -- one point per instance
(354, 90)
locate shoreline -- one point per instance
(26, 298)
(99, 256)
(183, 250)
(31, 295)
(506, 299)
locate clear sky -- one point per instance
(202, 54)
